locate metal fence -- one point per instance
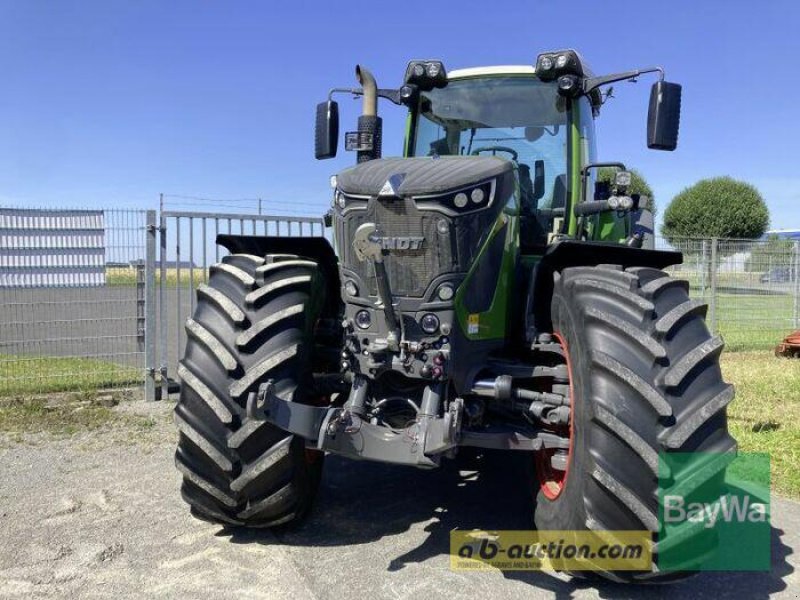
(126, 328)
(187, 249)
(63, 330)
(73, 303)
(752, 287)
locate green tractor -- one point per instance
(485, 290)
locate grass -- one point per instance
(22, 375)
(66, 415)
(754, 322)
(765, 416)
(127, 277)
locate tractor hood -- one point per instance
(421, 175)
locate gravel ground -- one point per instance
(99, 515)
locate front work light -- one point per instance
(568, 85)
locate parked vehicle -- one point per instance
(790, 346)
(480, 291)
(778, 275)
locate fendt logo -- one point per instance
(401, 243)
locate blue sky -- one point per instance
(108, 103)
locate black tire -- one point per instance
(253, 322)
(645, 379)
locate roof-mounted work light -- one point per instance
(552, 65)
(426, 74)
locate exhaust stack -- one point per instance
(369, 123)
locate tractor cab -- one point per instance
(540, 118)
(507, 112)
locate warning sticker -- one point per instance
(473, 324)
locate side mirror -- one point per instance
(664, 116)
(326, 130)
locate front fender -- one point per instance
(317, 249)
(573, 253)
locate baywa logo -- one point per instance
(714, 512)
(729, 508)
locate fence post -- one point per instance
(150, 308)
(162, 304)
(703, 269)
(712, 309)
(797, 285)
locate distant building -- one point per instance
(60, 248)
(784, 234)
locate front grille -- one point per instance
(410, 270)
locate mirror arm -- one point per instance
(353, 91)
(584, 179)
(593, 83)
(392, 95)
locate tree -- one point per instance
(719, 207)
(638, 183)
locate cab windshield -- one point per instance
(518, 118)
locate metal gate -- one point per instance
(187, 249)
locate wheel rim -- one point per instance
(553, 481)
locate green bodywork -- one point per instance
(493, 323)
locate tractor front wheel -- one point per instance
(644, 380)
(253, 323)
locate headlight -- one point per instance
(346, 202)
(363, 319)
(429, 323)
(545, 63)
(561, 61)
(620, 202)
(466, 200)
(351, 288)
(445, 292)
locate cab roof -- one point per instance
(496, 70)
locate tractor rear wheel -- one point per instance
(253, 322)
(644, 379)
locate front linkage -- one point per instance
(350, 431)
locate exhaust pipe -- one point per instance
(369, 123)
(367, 81)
